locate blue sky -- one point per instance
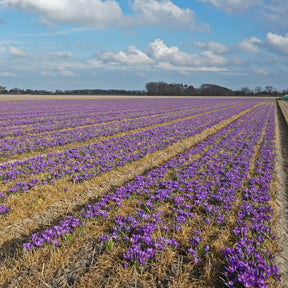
(123, 44)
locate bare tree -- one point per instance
(258, 90)
(246, 91)
(270, 89)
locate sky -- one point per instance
(123, 44)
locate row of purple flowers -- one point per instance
(249, 261)
(85, 115)
(15, 113)
(84, 163)
(208, 187)
(26, 143)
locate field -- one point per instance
(150, 192)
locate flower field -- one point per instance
(175, 192)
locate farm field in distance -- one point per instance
(148, 192)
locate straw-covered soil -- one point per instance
(83, 260)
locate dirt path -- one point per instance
(282, 201)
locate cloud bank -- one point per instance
(102, 14)
(96, 13)
(159, 54)
(233, 6)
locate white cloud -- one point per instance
(172, 55)
(210, 58)
(65, 72)
(141, 74)
(159, 55)
(276, 11)
(102, 14)
(165, 13)
(278, 43)
(184, 72)
(85, 12)
(160, 52)
(16, 51)
(250, 45)
(8, 74)
(212, 46)
(63, 54)
(259, 71)
(233, 6)
(45, 22)
(235, 73)
(48, 69)
(131, 56)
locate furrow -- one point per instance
(81, 139)
(112, 179)
(104, 183)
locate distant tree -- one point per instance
(258, 90)
(152, 88)
(164, 89)
(190, 91)
(178, 89)
(214, 90)
(270, 90)
(3, 90)
(15, 91)
(245, 91)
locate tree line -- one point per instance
(169, 89)
(17, 91)
(159, 88)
